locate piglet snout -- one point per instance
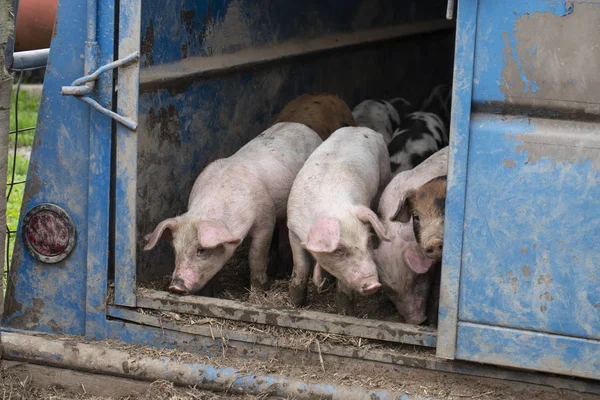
(433, 249)
(370, 288)
(417, 319)
(177, 286)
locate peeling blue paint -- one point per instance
(525, 257)
(35, 291)
(529, 350)
(533, 219)
(462, 89)
(498, 19)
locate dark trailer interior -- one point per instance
(214, 75)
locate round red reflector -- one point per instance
(48, 233)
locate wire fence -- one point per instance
(12, 182)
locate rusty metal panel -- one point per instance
(126, 154)
(302, 319)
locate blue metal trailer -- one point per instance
(139, 96)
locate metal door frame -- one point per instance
(478, 341)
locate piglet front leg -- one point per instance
(261, 235)
(343, 299)
(300, 273)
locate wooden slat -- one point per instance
(289, 318)
(264, 339)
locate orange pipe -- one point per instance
(35, 24)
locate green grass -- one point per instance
(13, 208)
(28, 111)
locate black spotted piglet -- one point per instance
(382, 116)
(421, 133)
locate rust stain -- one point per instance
(543, 308)
(524, 250)
(546, 296)
(30, 318)
(510, 82)
(545, 279)
(184, 50)
(147, 47)
(161, 118)
(514, 284)
(508, 163)
(54, 326)
(187, 19)
(207, 22)
(526, 271)
(34, 184)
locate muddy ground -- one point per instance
(414, 382)
(233, 283)
(17, 386)
(445, 387)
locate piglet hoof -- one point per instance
(260, 284)
(297, 295)
(344, 304)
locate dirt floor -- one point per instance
(233, 283)
(19, 386)
(416, 382)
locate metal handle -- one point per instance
(450, 10)
(79, 89)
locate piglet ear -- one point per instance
(404, 208)
(214, 233)
(162, 231)
(324, 236)
(417, 261)
(367, 215)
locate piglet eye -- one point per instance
(200, 251)
(416, 217)
(340, 252)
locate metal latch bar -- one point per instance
(80, 90)
(450, 10)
